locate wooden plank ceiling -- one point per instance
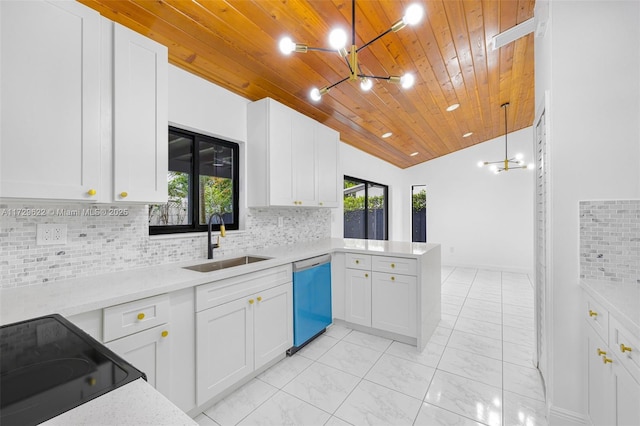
(234, 44)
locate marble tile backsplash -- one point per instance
(610, 240)
(100, 244)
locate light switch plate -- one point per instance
(50, 234)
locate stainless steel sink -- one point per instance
(216, 265)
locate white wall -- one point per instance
(480, 218)
(589, 60)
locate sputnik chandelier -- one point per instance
(338, 40)
(508, 163)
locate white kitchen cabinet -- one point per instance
(393, 303)
(358, 297)
(84, 107)
(242, 324)
(140, 118)
(293, 159)
(148, 351)
(50, 85)
(612, 390)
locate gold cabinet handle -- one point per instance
(592, 313)
(141, 316)
(357, 261)
(393, 265)
(624, 348)
(601, 352)
(321, 203)
(251, 301)
(123, 194)
(165, 333)
(259, 298)
(393, 278)
(366, 275)
(607, 360)
(92, 381)
(91, 192)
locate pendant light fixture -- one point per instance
(508, 163)
(338, 40)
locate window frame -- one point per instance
(194, 189)
(366, 205)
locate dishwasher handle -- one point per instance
(311, 263)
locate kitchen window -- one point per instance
(365, 209)
(202, 180)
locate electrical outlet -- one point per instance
(50, 234)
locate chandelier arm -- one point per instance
(373, 40)
(321, 49)
(349, 65)
(335, 84)
(373, 76)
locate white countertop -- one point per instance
(75, 296)
(622, 300)
(136, 403)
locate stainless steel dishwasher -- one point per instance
(311, 300)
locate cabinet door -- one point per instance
(281, 190)
(303, 157)
(358, 297)
(327, 166)
(393, 303)
(601, 393)
(50, 85)
(224, 347)
(627, 392)
(273, 325)
(140, 128)
(149, 351)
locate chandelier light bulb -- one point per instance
(480, 163)
(519, 156)
(530, 166)
(338, 39)
(407, 80)
(493, 168)
(287, 45)
(413, 14)
(315, 94)
(366, 84)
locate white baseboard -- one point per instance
(562, 417)
(502, 268)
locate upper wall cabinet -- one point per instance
(84, 107)
(50, 100)
(292, 160)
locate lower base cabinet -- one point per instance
(238, 337)
(149, 352)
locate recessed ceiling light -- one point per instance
(466, 135)
(413, 154)
(453, 107)
(386, 135)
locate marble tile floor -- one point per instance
(477, 369)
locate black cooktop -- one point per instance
(49, 366)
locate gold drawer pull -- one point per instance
(624, 348)
(601, 352)
(165, 333)
(141, 316)
(259, 298)
(91, 192)
(251, 301)
(393, 265)
(607, 360)
(393, 278)
(357, 261)
(123, 194)
(592, 313)
(366, 275)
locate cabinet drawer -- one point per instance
(358, 261)
(128, 318)
(223, 291)
(598, 317)
(626, 346)
(396, 265)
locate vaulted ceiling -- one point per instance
(234, 44)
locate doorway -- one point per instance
(419, 213)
